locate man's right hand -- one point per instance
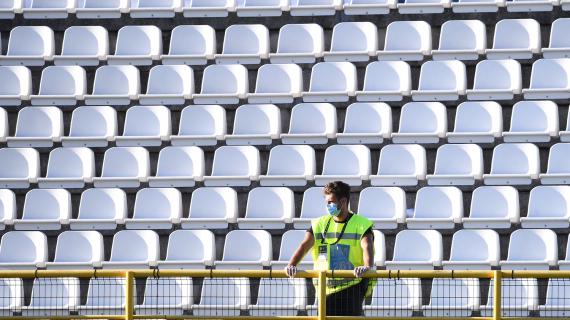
(291, 270)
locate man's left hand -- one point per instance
(359, 271)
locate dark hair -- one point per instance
(338, 188)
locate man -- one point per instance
(340, 240)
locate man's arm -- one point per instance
(367, 245)
(303, 248)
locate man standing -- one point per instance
(340, 240)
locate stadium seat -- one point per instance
(23, 250)
(400, 165)
(223, 297)
(234, 166)
(556, 304)
(515, 39)
(105, 296)
(61, 86)
(313, 206)
(255, 124)
(268, 208)
(178, 167)
(493, 207)
(422, 6)
(156, 208)
(115, 85)
(421, 122)
(16, 85)
(395, 298)
(461, 40)
(290, 165)
(48, 9)
(441, 81)
(315, 7)
(457, 164)
(45, 209)
(244, 44)
(9, 8)
(407, 41)
(348, 163)
(533, 121)
(366, 123)
(78, 250)
(549, 80)
(332, 82)
(223, 84)
(83, 46)
(548, 207)
(384, 206)
(133, 249)
(474, 250)
(208, 8)
(146, 126)
(559, 46)
(353, 41)
(69, 168)
(8, 208)
(124, 167)
(211, 208)
(91, 126)
(519, 297)
(277, 83)
(531, 249)
(178, 256)
(366, 7)
(290, 241)
(155, 8)
(496, 80)
(29, 46)
(299, 43)
(101, 9)
(101, 209)
(437, 208)
(386, 81)
(514, 164)
(53, 297)
(168, 85)
(558, 171)
(201, 125)
(37, 127)
(379, 248)
(191, 45)
(280, 297)
(166, 296)
(477, 122)
(416, 250)
(12, 291)
(262, 8)
(257, 256)
(311, 123)
(137, 45)
(20, 167)
(453, 298)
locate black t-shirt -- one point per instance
(367, 232)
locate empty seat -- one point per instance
(244, 44)
(69, 168)
(268, 208)
(29, 46)
(53, 297)
(407, 41)
(453, 297)
(400, 165)
(262, 8)
(133, 249)
(386, 81)
(145, 126)
(423, 6)
(441, 81)
(101, 209)
(191, 45)
(477, 5)
(37, 127)
(45, 209)
(457, 164)
(559, 46)
(178, 167)
(556, 304)
(474, 250)
(91, 126)
(280, 297)
(101, 9)
(16, 85)
(548, 207)
(208, 8)
(477, 122)
(155, 9)
(558, 171)
(515, 39)
(313, 206)
(166, 296)
(331, 82)
(395, 298)
(496, 80)
(21, 250)
(549, 80)
(348, 163)
(137, 45)
(315, 7)
(421, 122)
(223, 84)
(255, 124)
(178, 256)
(234, 166)
(289, 244)
(259, 241)
(201, 125)
(495, 207)
(277, 83)
(124, 167)
(461, 40)
(531, 249)
(311, 123)
(156, 208)
(8, 208)
(168, 85)
(366, 123)
(12, 292)
(289, 165)
(533, 121)
(61, 85)
(353, 41)
(115, 85)
(212, 208)
(437, 208)
(9, 8)
(48, 9)
(223, 297)
(299, 43)
(514, 164)
(78, 250)
(20, 167)
(416, 250)
(385, 206)
(365, 7)
(105, 296)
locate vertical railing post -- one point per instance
(129, 295)
(497, 277)
(322, 294)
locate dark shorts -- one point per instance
(347, 302)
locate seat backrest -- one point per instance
(12, 293)
(292, 160)
(226, 292)
(120, 80)
(459, 159)
(126, 162)
(39, 122)
(135, 246)
(103, 203)
(534, 245)
(402, 159)
(225, 79)
(8, 206)
(106, 292)
(380, 202)
(289, 243)
(257, 119)
(203, 120)
(549, 202)
(279, 78)
(214, 202)
(167, 79)
(439, 202)
(63, 80)
(155, 3)
(535, 116)
(180, 161)
(368, 117)
(236, 161)
(202, 243)
(158, 203)
(16, 81)
(282, 292)
(52, 4)
(246, 39)
(495, 202)
(31, 41)
(517, 34)
(313, 118)
(23, 247)
(270, 202)
(55, 293)
(168, 292)
(19, 163)
(333, 76)
(259, 241)
(314, 204)
(102, 4)
(558, 33)
(443, 75)
(85, 40)
(193, 40)
(148, 121)
(354, 36)
(497, 74)
(514, 158)
(139, 40)
(388, 76)
(479, 116)
(88, 121)
(408, 36)
(463, 35)
(476, 245)
(301, 38)
(418, 246)
(347, 160)
(459, 293)
(550, 74)
(79, 246)
(71, 162)
(47, 204)
(423, 117)
(558, 158)
(209, 3)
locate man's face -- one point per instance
(331, 198)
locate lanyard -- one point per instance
(341, 231)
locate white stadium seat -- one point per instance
(146, 126)
(223, 84)
(244, 44)
(469, 6)
(78, 250)
(421, 122)
(166, 296)
(137, 45)
(290, 165)
(69, 168)
(223, 297)
(474, 250)
(280, 297)
(20, 167)
(212, 208)
(53, 297)
(289, 242)
(477, 122)
(8, 208)
(315, 7)
(457, 164)
(365, 7)
(12, 291)
(556, 304)
(29, 46)
(416, 250)
(45, 209)
(311, 123)
(441, 81)
(299, 43)
(514, 164)
(380, 252)
(384, 206)
(559, 46)
(262, 8)
(496, 80)
(155, 9)
(548, 207)
(105, 296)
(515, 39)
(348, 163)
(234, 166)
(277, 83)
(9, 8)
(437, 208)
(101, 9)
(37, 127)
(133, 249)
(235, 258)
(395, 298)
(255, 124)
(549, 80)
(533, 121)
(208, 8)
(16, 85)
(156, 208)
(558, 171)
(366, 123)
(353, 41)
(91, 126)
(400, 165)
(83, 46)
(124, 167)
(407, 41)
(457, 297)
(386, 81)
(101, 209)
(461, 40)
(332, 82)
(268, 208)
(168, 85)
(23, 250)
(48, 9)
(313, 206)
(115, 85)
(531, 249)
(178, 167)
(191, 45)
(423, 6)
(61, 86)
(493, 207)
(201, 125)
(178, 256)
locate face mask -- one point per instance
(333, 209)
